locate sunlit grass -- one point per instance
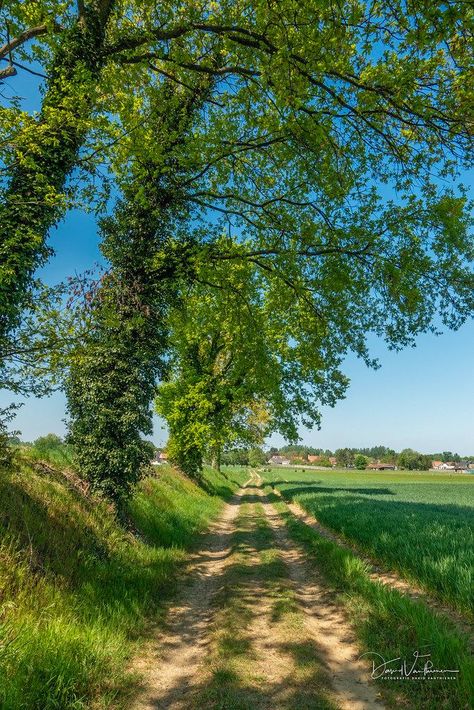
(77, 589)
(420, 524)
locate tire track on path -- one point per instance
(175, 655)
(326, 624)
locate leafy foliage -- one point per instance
(6, 450)
(223, 385)
(325, 150)
(45, 148)
(413, 460)
(312, 107)
(257, 457)
(112, 379)
(360, 462)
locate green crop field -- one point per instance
(419, 523)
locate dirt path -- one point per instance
(171, 663)
(253, 628)
(327, 625)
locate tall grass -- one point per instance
(77, 590)
(49, 449)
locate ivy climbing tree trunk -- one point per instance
(112, 383)
(46, 152)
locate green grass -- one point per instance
(390, 624)
(77, 590)
(53, 453)
(421, 524)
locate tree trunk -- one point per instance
(216, 458)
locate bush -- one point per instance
(6, 436)
(360, 462)
(257, 457)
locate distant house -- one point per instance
(436, 465)
(454, 466)
(313, 459)
(279, 461)
(159, 458)
(378, 466)
(333, 461)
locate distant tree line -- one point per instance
(55, 449)
(347, 457)
(254, 456)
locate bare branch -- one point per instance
(21, 66)
(9, 71)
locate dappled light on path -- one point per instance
(252, 628)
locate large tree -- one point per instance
(226, 384)
(113, 371)
(41, 150)
(324, 155)
(314, 103)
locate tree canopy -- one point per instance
(322, 162)
(313, 107)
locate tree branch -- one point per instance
(9, 71)
(23, 37)
(193, 66)
(13, 64)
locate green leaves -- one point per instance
(317, 137)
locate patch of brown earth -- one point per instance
(172, 660)
(261, 655)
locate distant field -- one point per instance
(419, 523)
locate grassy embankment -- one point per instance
(77, 589)
(420, 524)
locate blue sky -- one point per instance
(421, 398)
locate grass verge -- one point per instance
(77, 589)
